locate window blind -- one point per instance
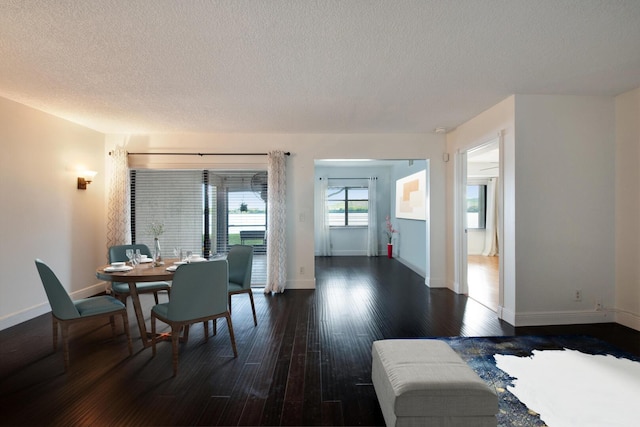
(174, 199)
(205, 212)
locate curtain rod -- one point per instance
(201, 154)
(372, 177)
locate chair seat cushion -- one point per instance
(98, 305)
(161, 310)
(143, 287)
(235, 287)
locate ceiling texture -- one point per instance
(299, 66)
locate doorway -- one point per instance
(481, 217)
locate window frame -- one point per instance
(482, 203)
(346, 201)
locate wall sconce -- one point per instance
(85, 178)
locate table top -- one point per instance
(141, 273)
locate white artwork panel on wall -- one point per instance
(411, 196)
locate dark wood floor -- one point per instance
(306, 363)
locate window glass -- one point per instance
(476, 206)
(348, 206)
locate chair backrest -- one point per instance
(118, 253)
(199, 289)
(240, 260)
(60, 301)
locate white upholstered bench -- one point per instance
(423, 382)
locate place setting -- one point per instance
(184, 257)
(118, 267)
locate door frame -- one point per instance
(461, 285)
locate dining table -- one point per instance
(143, 272)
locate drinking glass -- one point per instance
(129, 254)
(137, 257)
(189, 255)
(177, 252)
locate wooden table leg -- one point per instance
(137, 307)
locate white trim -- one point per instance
(506, 315)
(436, 283)
(412, 267)
(301, 284)
(563, 318)
(627, 318)
(18, 317)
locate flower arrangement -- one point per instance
(389, 230)
(156, 228)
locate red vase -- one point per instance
(389, 250)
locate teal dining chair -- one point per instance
(198, 294)
(240, 260)
(65, 312)
(121, 290)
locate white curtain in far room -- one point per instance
(276, 220)
(324, 232)
(491, 223)
(372, 229)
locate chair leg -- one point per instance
(55, 332)
(125, 322)
(155, 297)
(253, 308)
(112, 320)
(206, 330)
(185, 335)
(154, 338)
(229, 303)
(65, 345)
(233, 338)
(175, 332)
(215, 326)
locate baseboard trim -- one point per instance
(301, 284)
(627, 318)
(44, 307)
(563, 318)
(411, 266)
(506, 315)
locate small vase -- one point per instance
(389, 250)
(157, 254)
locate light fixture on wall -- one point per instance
(85, 178)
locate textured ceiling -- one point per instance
(307, 66)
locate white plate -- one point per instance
(172, 268)
(112, 269)
(146, 260)
(198, 259)
(180, 262)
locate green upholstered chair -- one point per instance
(121, 290)
(240, 260)
(199, 294)
(65, 311)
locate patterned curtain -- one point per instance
(276, 239)
(119, 207)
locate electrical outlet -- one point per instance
(598, 304)
(578, 295)
(301, 270)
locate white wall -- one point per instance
(627, 249)
(43, 214)
(411, 242)
(305, 148)
(565, 216)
